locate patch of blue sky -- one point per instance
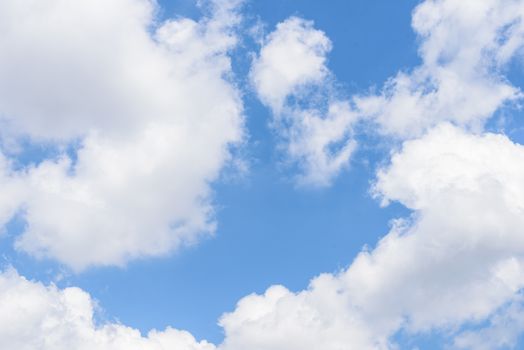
(421, 341)
(509, 120)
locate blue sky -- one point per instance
(271, 229)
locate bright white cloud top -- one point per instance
(462, 249)
(38, 317)
(155, 116)
(156, 128)
(460, 80)
(465, 46)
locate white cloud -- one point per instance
(292, 57)
(462, 247)
(291, 77)
(39, 317)
(321, 317)
(138, 189)
(153, 107)
(464, 47)
(457, 260)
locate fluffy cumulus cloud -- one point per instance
(465, 47)
(462, 247)
(291, 58)
(290, 76)
(35, 316)
(456, 262)
(149, 109)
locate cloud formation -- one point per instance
(456, 261)
(151, 106)
(290, 76)
(465, 47)
(135, 188)
(35, 316)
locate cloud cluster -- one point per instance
(41, 317)
(155, 130)
(290, 76)
(465, 46)
(457, 260)
(151, 108)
